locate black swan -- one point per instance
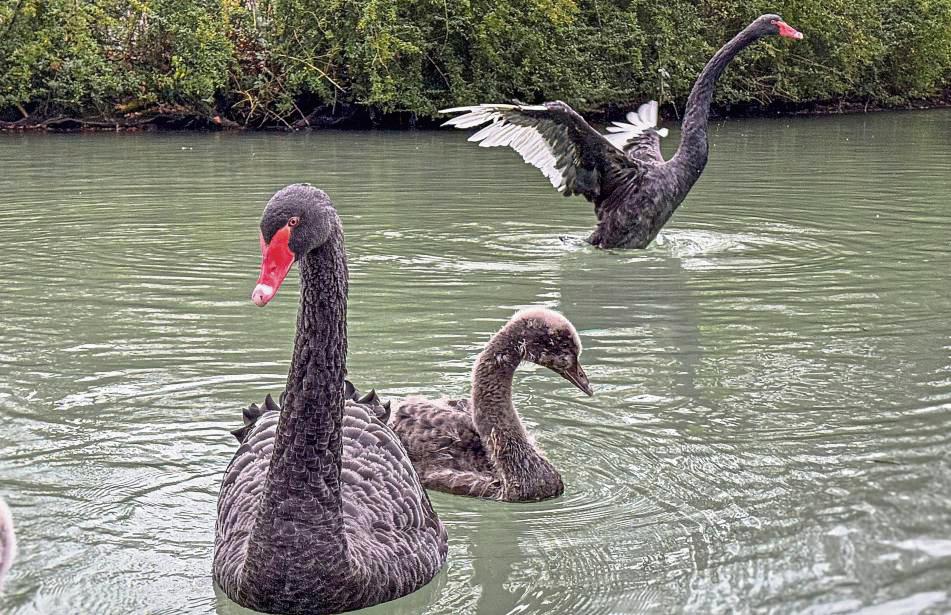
(320, 510)
(633, 189)
(478, 446)
(8, 541)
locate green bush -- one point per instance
(273, 62)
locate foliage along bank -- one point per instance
(294, 63)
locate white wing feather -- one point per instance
(621, 133)
(525, 140)
(497, 130)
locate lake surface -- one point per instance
(771, 429)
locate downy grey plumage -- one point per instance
(479, 446)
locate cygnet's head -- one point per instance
(547, 338)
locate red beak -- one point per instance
(788, 31)
(276, 260)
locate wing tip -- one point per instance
(455, 110)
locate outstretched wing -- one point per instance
(639, 137)
(575, 157)
(463, 482)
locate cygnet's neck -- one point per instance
(492, 406)
(524, 471)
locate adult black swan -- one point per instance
(320, 510)
(478, 446)
(633, 189)
(8, 542)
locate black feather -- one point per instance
(385, 416)
(370, 398)
(253, 412)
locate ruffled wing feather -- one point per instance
(640, 125)
(552, 137)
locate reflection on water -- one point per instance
(770, 430)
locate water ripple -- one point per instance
(769, 433)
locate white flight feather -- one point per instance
(526, 140)
(621, 133)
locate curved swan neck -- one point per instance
(301, 504)
(524, 471)
(319, 364)
(492, 408)
(691, 155)
(308, 444)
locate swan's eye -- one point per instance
(293, 222)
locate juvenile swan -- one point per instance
(320, 510)
(478, 446)
(8, 542)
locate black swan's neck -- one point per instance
(497, 422)
(691, 155)
(301, 506)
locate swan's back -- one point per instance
(445, 447)
(394, 534)
(440, 431)
(241, 489)
(395, 540)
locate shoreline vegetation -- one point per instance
(115, 65)
(172, 120)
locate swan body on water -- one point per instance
(479, 446)
(320, 510)
(634, 190)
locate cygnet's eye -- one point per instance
(294, 221)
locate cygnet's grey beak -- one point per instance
(576, 376)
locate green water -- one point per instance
(771, 430)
